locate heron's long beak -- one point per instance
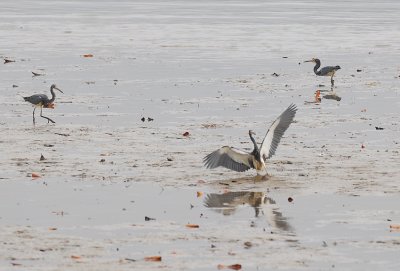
(309, 61)
(59, 90)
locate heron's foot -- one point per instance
(48, 119)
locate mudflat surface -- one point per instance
(214, 69)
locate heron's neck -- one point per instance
(53, 95)
(256, 150)
(317, 65)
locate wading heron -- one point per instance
(240, 161)
(41, 100)
(325, 71)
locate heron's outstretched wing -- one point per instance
(276, 131)
(228, 157)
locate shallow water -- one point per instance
(205, 68)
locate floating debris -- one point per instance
(37, 74)
(8, 61)
(35, 175)
(153, 259)
(232, 266)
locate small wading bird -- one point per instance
(240, 161)
(41, 100)
(325, 71)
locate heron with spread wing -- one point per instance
(241, 161)
(325, 71)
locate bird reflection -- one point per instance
(227, 204)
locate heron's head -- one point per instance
(314, 60)
(251, 133)
(53, 86)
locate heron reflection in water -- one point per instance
(227, 204)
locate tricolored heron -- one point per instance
(325, 71)
(41, 100)
(240, 161)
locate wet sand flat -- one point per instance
(214, 69)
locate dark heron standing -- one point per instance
(325, 71)
(240, 161)
(41, 100)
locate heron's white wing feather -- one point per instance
(276, 131)
(228, 157)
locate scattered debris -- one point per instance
(35, 175)
(275, 74)
(170, 159)
(87, 55)
(37, 74)
(6, 60)
(48, 145)
(42, 157)
(193, 226)
(359, 70)
(186, 134)
(143, 119)
(75, 257)
(61, 134)
(199, 194)
(395, 227)
(290, 199)
(153, 259)
(379, 128)
(248, 244)
(14, 86)
(233, 266)
(208, 126)
(146, 218)
(102, 160)
(362, 146)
